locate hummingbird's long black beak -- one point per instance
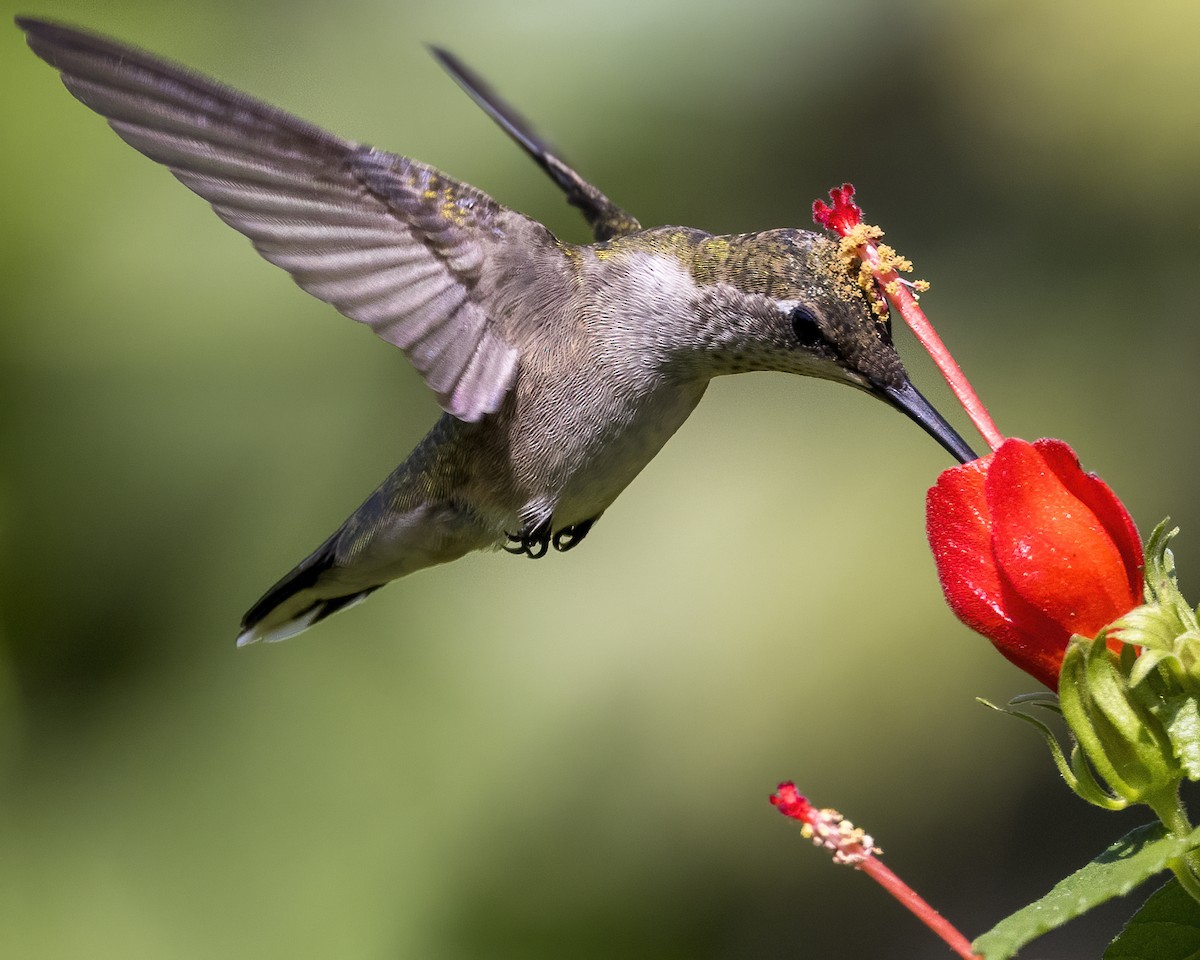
(908, 400)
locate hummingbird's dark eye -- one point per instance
(805, 326)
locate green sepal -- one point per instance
(1076, 772)
(1043, 699)
(1088, 787)
(1166, 676)
(1074, 697)
(1165, 627)
(1167, 642)
(1161, 584)
(1118, 732)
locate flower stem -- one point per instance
(1169, 807)
(917, 906)
(1187, 879)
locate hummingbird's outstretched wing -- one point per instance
(388, 241)
(606, 219)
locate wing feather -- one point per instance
(388, 241)
(345, 261)
(487, 368)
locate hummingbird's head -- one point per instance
(784, 300)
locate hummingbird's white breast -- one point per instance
(597, 395)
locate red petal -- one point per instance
(1100, 499)
(1050, 544)
(959, 526)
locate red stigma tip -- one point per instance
(791, 802)
(844, 215)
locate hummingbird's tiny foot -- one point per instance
(568, 537)
(536, 549)
(532, 542)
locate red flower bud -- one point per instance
(1030, 550)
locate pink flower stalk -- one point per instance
(881, 266)
(854, 847)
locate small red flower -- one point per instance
(1030, 550)
(844, 215)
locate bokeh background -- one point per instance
(503, 759)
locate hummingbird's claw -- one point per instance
(532, 542)
(568, 537)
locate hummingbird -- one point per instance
(561, 369)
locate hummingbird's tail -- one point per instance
(300, 599)
(394, 533)
(415, 519)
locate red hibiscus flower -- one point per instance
(1030, 550)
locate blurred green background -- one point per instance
(570, 758)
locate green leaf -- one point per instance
(1133, 859)
(1166, 928)
(1183, 727)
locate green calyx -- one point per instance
(1166, 673)
(1165, 627)
(1131, 701)
(1133, 712)
(1117, 731)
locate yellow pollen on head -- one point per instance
(866, 282)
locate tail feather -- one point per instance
(404, 526)
(298, 601)
(262, 630)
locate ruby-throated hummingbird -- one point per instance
(562, 369)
